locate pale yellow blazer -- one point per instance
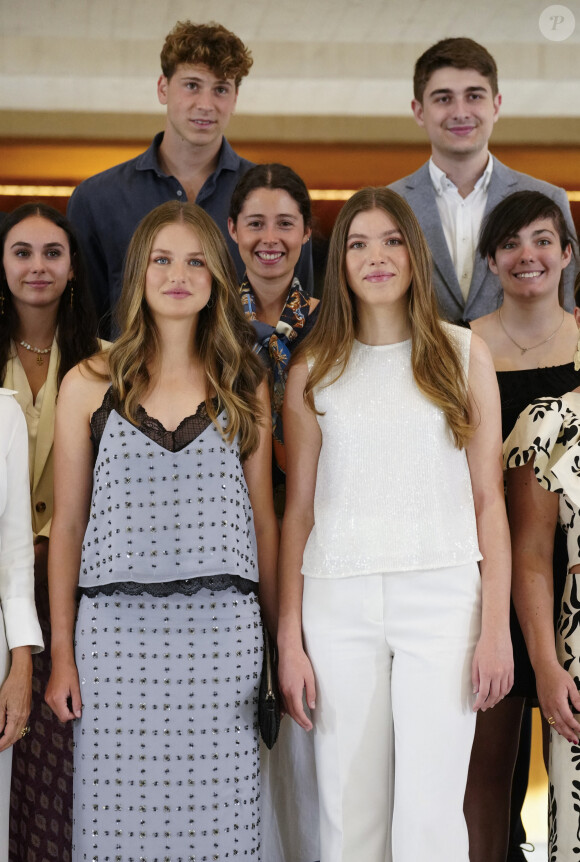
(42, 473)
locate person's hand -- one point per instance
(492, 671)
(295, 676)
(63, 687)
(15, 698)
(556, 691)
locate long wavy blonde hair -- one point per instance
(223, 340)
(437, 367)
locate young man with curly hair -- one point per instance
(202, 67)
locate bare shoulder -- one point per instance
(98, 364)
(485, 326)
(482, 377)
(83, 387)
(479, 354)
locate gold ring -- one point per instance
(25, 731)
(551, 720)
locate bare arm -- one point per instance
(303, 441)
(492, 672)
(533, 513)
(258, 473)
(73, 459)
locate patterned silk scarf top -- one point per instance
(275, 345)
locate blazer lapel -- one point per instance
(45, 434)
(421, 197)
(500, 186)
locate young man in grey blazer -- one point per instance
(457, 102)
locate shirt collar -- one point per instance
(442, 183)
(149, 160)
(228, 160)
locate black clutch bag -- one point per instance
(269, 694)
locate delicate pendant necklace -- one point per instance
(39, 353)
(533, 346)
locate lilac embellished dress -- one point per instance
(168, 649)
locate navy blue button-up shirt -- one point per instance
(106, 209)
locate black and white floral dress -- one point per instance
(549, 431)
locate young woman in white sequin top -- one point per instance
(387, 624)
(176, 540)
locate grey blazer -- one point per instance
(485, 291)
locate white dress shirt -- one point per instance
(461, 219)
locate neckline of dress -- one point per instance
(143, 414)
(394, 345)
(540, 368)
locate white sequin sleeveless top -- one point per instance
(393, 493)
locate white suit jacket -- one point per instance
(16, 550)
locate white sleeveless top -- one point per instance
(393, 493)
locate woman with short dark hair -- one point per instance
(532, 340)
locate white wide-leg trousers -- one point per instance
(393, 721)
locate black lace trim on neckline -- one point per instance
(188, 430)
(186, 587)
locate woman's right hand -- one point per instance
(63, 687)
(556, 691)
(295, 676)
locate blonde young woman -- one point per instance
(394, 494)
(172, 540)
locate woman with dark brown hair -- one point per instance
(271, 221)
(47, 325)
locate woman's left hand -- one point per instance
(15, 698)
(492, 671)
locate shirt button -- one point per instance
(179, 192)
(40, 507)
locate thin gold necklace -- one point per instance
(533, 346)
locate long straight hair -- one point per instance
(437, 367)
(223, 340)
